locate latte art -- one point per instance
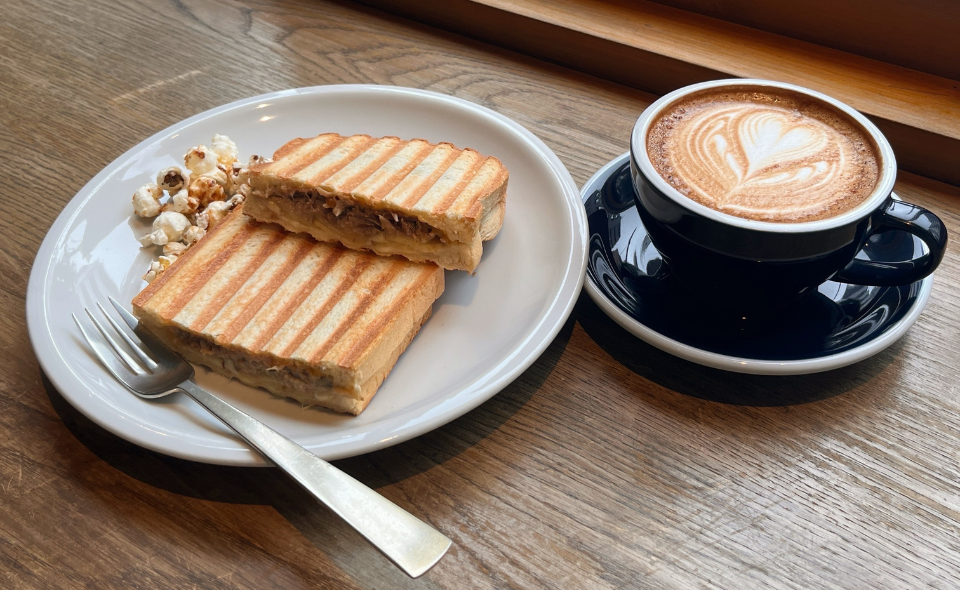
(765, 158)
(734, 153)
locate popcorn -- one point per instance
(146, 201)
(167, 227)
(214, 213)
(194, 233)
(255, 159)
(205, 190)
(200, 160)
(174, 248)
(219, 175)
(155, 238)
(225, 149)
(184, 203)
(173, 225)
(158, 266)
(242, 175)
(227, 173)
(153, 272)
(235, 183)
(170, 179)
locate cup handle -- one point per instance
(898, 215)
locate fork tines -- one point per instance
(146, 364)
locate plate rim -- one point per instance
(742, 364)
(58, 370)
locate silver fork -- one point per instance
(157, 371)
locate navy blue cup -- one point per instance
(745, 263)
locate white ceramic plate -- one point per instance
(485, 330)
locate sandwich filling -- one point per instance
(294, 379)
(350, 216)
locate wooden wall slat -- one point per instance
(917, 35)
(658, 49)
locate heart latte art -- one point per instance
(770, 160)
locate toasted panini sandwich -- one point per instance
(423, 201)
(302, 319)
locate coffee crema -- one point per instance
(769, 155)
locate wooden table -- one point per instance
(608, 464)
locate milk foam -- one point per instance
(764, 157)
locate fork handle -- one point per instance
(411, 544)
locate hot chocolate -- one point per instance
(770, 155)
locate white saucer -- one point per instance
(485, 330)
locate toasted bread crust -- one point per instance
(459, 193)
(257, 293)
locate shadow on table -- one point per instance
(254, 485)
(721, 386)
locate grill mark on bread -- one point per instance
(236, 282)
(362, 305)
(397, 177)
(360, 346)
(294, 144)
(355, 194)
(353, 328)
(357, 179)
(201, 278)
(308, 286)
(444, 204)
(428, 182)
(264, 294)
(291, 146)
(415, 177)
(150, 290)
(475, 207)
(293, 161)
(321, 174)
(332, 300)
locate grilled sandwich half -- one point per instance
(302, 319)
(423, 201)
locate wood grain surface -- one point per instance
(608, 464)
